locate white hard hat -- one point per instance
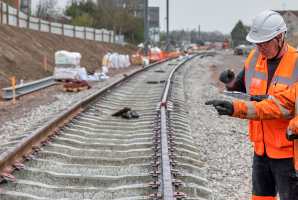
(266, 26)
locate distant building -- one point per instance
(138, 7)
(25, 6)
(153, 17)
(136, 4)
(22, 5)
(291, 20)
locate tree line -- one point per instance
(97, 14)
(238, 35)
(123, 21)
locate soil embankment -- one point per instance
(22, 53)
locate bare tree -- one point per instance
(119, 18)
(46, 8)
(110, 13)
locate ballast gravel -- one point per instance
(223, 143)
(41, 114)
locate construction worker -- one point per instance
(269, 69)
(278, 106)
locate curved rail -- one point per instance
(167, 174)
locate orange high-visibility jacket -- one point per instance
(281, 106)
(270, 134)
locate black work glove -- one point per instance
(259, 98)
(222, 107)
(227, 76)
(290, 136)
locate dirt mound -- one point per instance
(22, 53)
(293, 41)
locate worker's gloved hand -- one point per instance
(227, 76)
(222, 107)
(292, 131)
(259, 98)
(290, 136)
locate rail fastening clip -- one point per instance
(155, 148)
(172, 149)
(37, 148)
(179, 195)
(154, 164)
(154, 173)
(8, 177)
(173, 156)
(177, 182)
(29, 157)
(174, 162)
(53, 136)
(175, 172)
(154, 185)
(155, 155)
(154, 196)
(46, 142)
(19, 165)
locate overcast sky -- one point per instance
(212, 15)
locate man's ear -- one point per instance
(279, 36)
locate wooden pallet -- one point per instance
(75, 89)
(62, 80)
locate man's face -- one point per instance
(268, 49)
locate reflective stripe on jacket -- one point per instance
(270, 134)
(282, 105)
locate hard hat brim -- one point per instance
(252, 40)
(265, 39)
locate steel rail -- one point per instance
(166, 166)
(15, 153)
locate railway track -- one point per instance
(104, 157)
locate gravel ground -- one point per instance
(223, 142)
(43, 113)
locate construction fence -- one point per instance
(13, 17)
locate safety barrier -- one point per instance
(17, 18)
(28, 87)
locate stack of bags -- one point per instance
(67, 65)
(115, 61)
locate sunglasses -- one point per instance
(264, 44)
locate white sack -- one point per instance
(113, 61)
(141, 45)
(106, 60)
(146, 61)
(121, 61)
(126, 61)
(66, 73)
(82, 73)
(65, 57)
(104, 69)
